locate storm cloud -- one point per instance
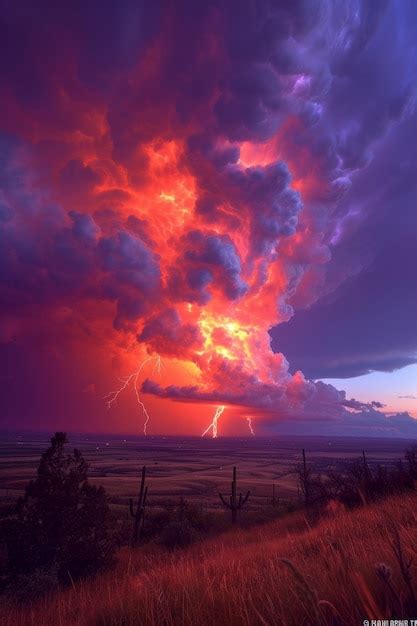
(180, 180)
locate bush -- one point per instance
(357, 483)
(178, 534)
(25, 588)
(179, 525)
(62, 524)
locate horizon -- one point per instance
(126, 436)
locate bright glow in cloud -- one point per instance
(171, 188)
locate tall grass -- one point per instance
(342, 571)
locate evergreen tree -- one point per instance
(62, 523)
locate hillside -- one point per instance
(286, 572)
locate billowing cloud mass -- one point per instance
(177, 179)
(366, 322)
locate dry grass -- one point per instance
(284, 573)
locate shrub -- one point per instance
(184, 524)
(62, 523)
(358, 483)
(25, 588)
(178, 534)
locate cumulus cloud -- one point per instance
(70, 258)
(188, 178)
(207, 259)
(166, 333)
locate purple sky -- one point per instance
(227, 188)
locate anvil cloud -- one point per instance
(190, 179)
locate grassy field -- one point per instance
(194, 468)
(285, 573)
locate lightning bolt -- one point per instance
(113, 395)
(213, 424)
(249, 420)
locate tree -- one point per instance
(62, 523)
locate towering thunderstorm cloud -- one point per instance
(172, 183)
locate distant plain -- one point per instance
(189, 467)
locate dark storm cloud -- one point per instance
(331, 79)
(298, 399)
(132, 275)
(104, 36)
(323, 410)
(229, 193)
(166, 333)
(365, 321)
(358, 424)
(207, 258)
(68, 257)
(273, 205)
(362, 406)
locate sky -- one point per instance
(208, 217)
